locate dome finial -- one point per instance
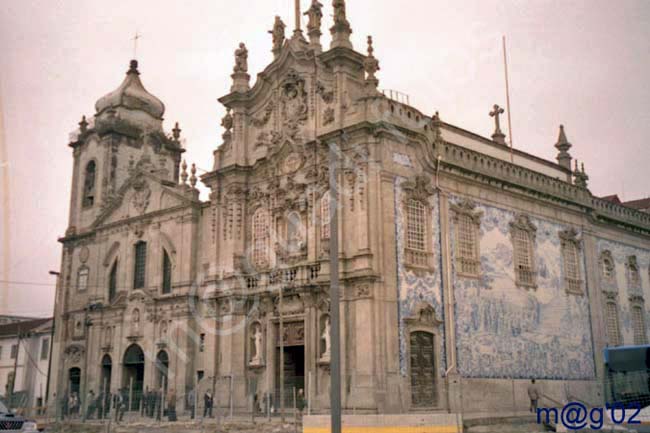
(133, 67)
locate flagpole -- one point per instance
(505, 65)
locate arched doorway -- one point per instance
(133, 375)
(422, 369)
(107, 370)
(162, 367)
(74, 380)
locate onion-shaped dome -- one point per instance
(132, 95)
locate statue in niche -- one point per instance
(241, 59)
(257, 345)
(325, 336)
(295, 241)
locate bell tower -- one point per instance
(125, 134)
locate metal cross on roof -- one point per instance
(135, 44)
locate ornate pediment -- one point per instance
(424, 315)
(141, 194)
(418, 188)
(74, 353)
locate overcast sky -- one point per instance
(584, 64)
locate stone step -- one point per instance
(518, 427)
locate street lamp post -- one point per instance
(335, 351)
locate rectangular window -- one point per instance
(167, 274)
(140, 265)
(14, 351)
(0, 352)
(572, 267)
(202, 343)
(523, 252)
(467, 246)
(638, 325)
(611, 323)
(112, 283)
(45, 348)
(415, 225)
(82, 279)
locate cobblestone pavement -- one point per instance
(228, 426)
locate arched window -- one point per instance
(82, 279)
(611, 323)
(112, 282)
(89, 185)
(607, 266)
(260, 238)
(139, 269)
(167, 273)
(325, 216)
(638, 325)
(415, 225)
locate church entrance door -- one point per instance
(422, 369)
(294, 363)
(107, 370)
(133, 375)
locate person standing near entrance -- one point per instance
(191, 402)
(207, 404)
(171, 405)
(533, 394)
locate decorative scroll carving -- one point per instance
(141, 195)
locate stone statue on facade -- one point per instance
(257, 346)
(227, 120)
(315, 14)
(241, 59)
(325, 336)
(278, 35)
(340, 18)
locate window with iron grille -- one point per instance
(415, 225)
(167, 274)
(112, 282)
(467, 250)
(82, 279)
(45, 348)
(571, 260)
(139, 270)
(638, 325)
(325, 216)
(523, 250)
(14, 351)
(260, 237)
(611, 323)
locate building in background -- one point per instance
(24, 362)
(467, 267)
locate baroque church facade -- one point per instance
(466, 268)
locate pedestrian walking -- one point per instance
(90, 400)
(533, 394)
(191, 402)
